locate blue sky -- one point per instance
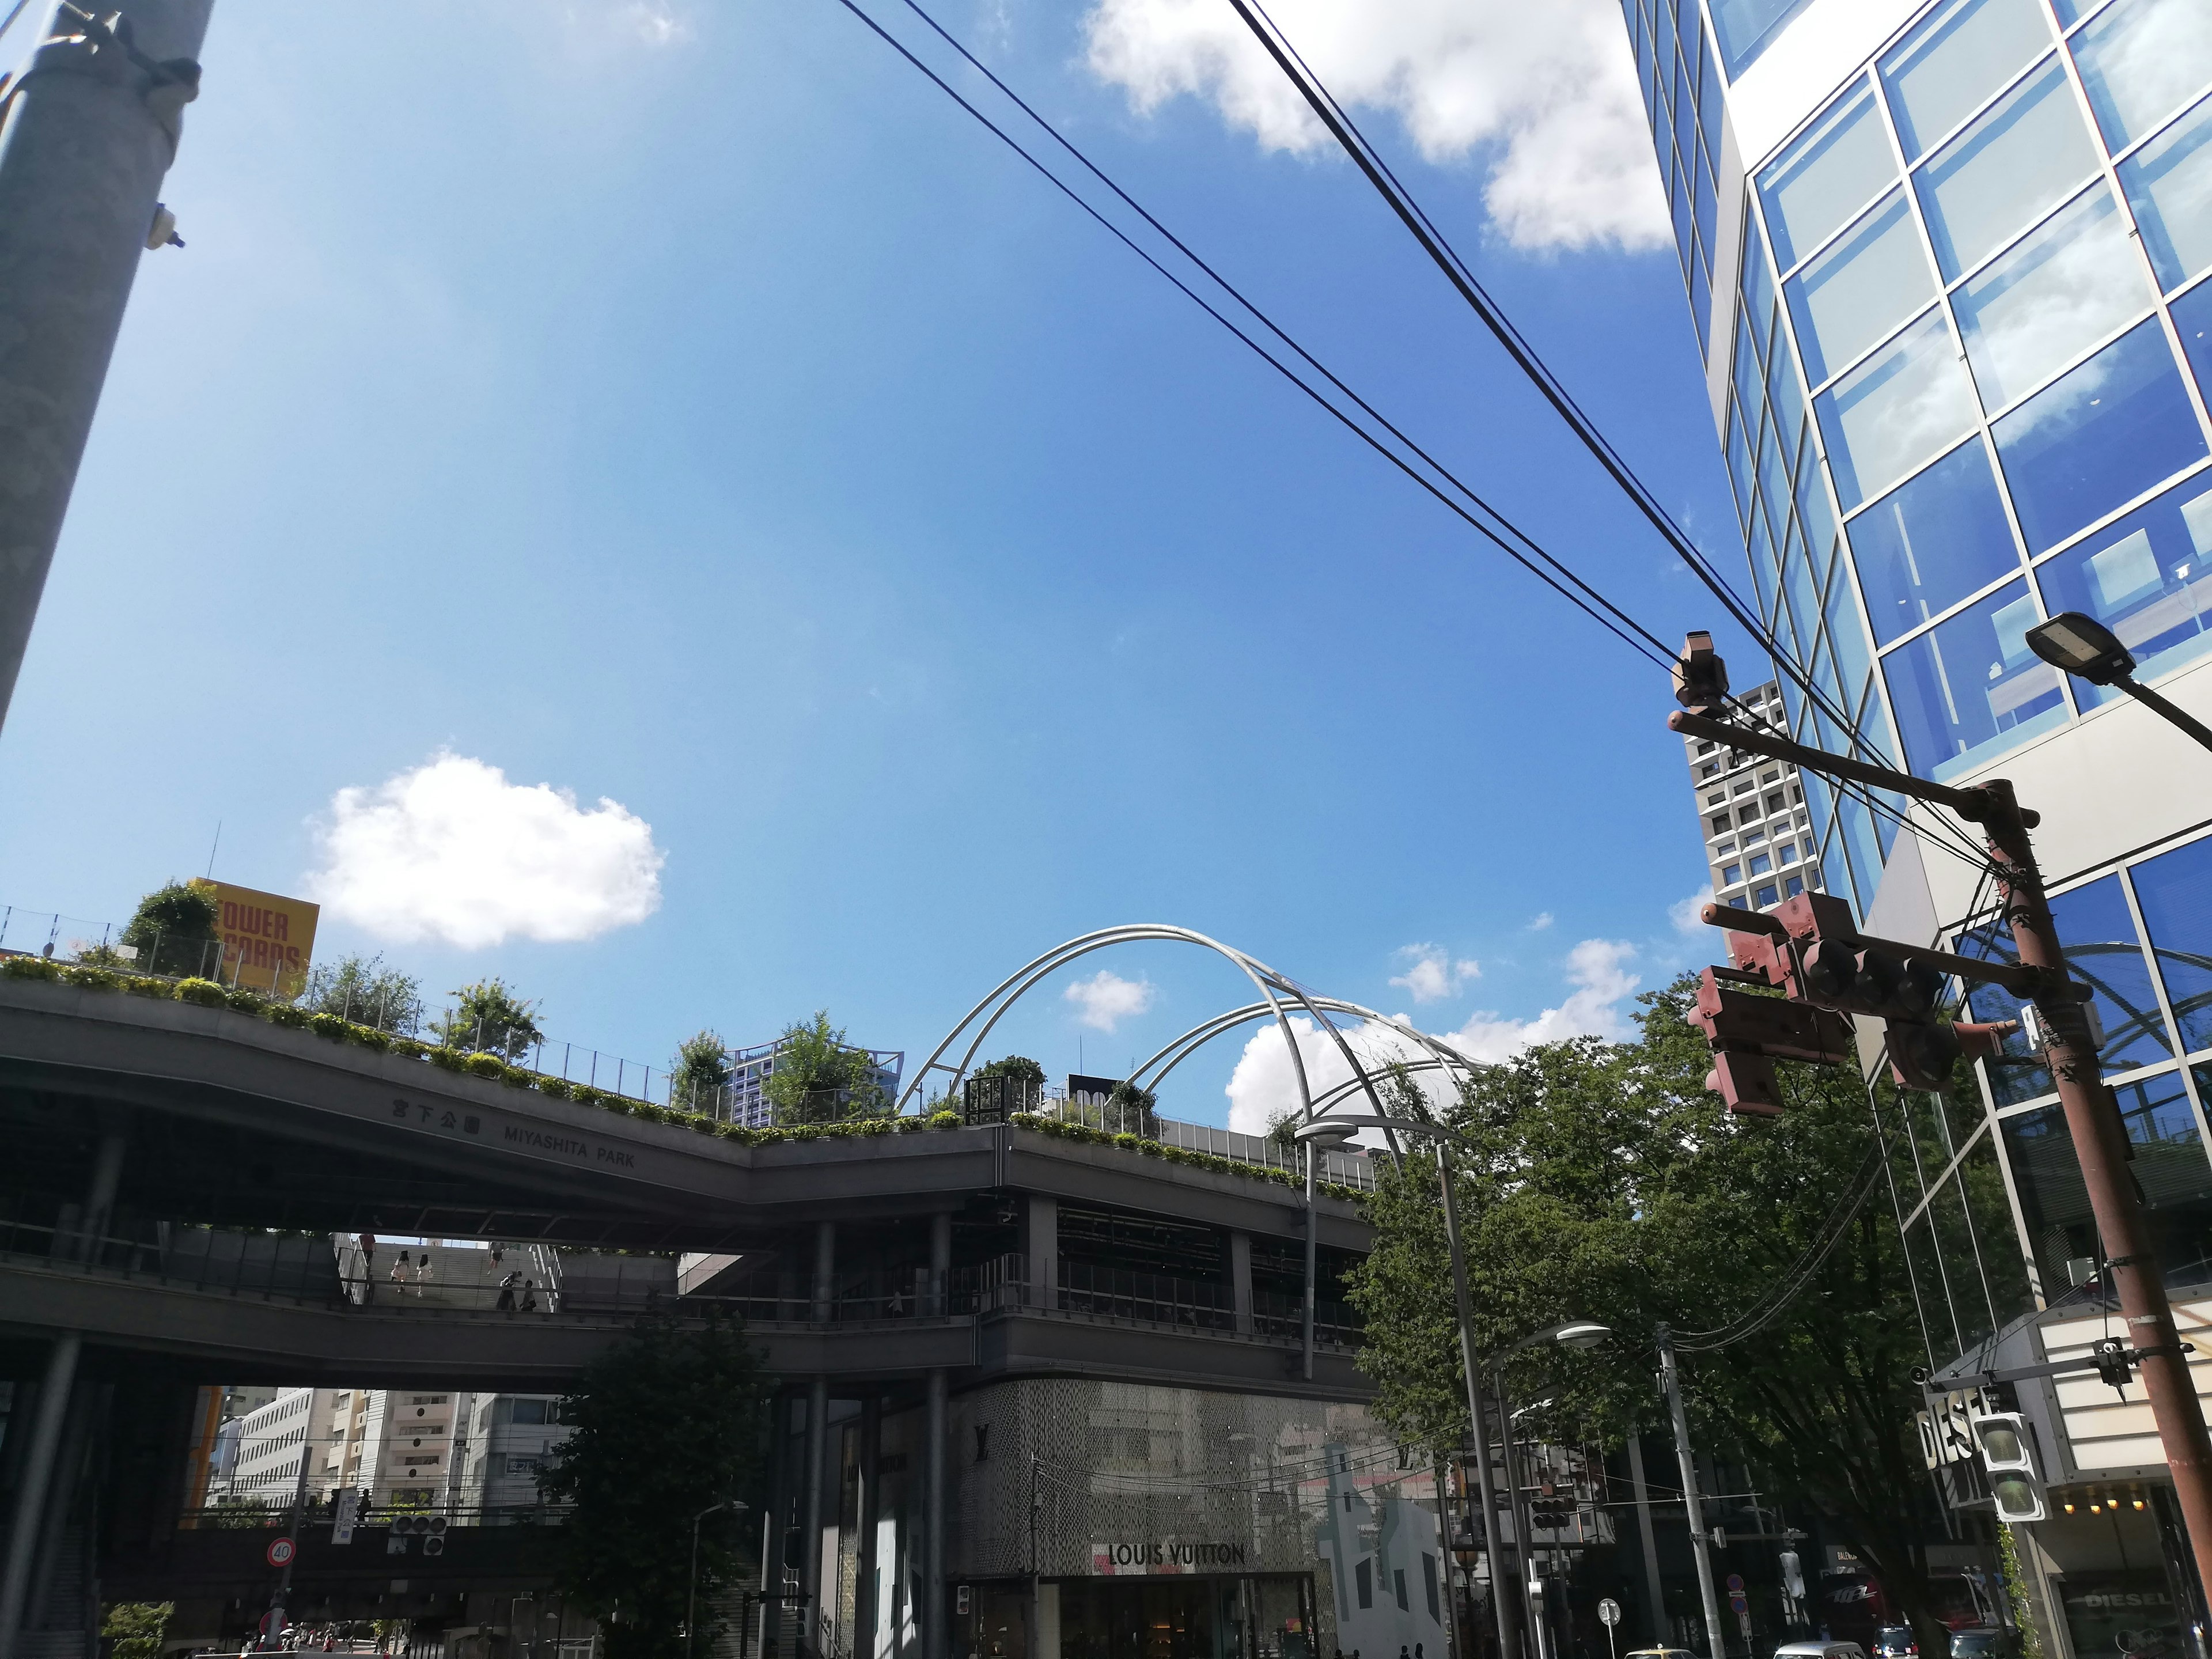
(687, 406)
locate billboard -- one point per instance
(267, 939)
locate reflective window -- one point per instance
(1747, 28)
(1909, 400)
(1955, 60)
(2025, 155)
(1859, 288)
(2014, 1076)
(2192, 321)
(2100, 434)
(2051, 298)
(2101, 947)
(2140, 59)
(1838, 166)
(2148, 578)
(1928, 544)
(2169, 183)
(2175, 892)
(1970, 688)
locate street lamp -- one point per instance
(1568, 1334)
(691, 1595)
(2084, 647)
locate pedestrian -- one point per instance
(422, 1273)
(529, 1296)
(496, 1251)
(506, 1291)
(399, 1274)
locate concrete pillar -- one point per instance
(810, 1488)
(940, 1262)
(23, 1528)
(89, 132)
(933, 1632)
(825, 1271)
(1041, 1244)
(1240, 1280)
(61, 1497)
(867, 1616)
(82, 1242)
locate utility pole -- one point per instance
(91, 130)
(1700, 1546)
(2092, 1118)
(1505, 1606)
(279, 1617)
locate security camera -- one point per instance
(162, 232)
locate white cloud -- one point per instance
(1685, 912)
(1544, 95)
(452, 851)
(1602, 983)
(1431, 974)
(652, 22)
(1265, 1083)
(1106, 999)
(1539, 921)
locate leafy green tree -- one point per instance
(363, 990)
(1020, 1066)
(819, 1077)
(1602, 1182)
(1283, 1128)
(136, 1628)
(175, 931)
(699, 1074)
(488, 1018)
(1129, 1110)
(667, 1424)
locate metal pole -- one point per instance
(91, 130)
(2188, 724)
(810, 1539)
(1523, 1525)
(1700, 1546)
(933, 1631)
(2101, 1148)
(38, 1468)
(1661, 1630)
(278, 1602)
(1504, 1607)
(1313, 1163)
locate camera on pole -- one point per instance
(2002, 1439)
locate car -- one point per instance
(1819, 1649)
(1659, 1653)
(1896, 1642)
(1986, 1642)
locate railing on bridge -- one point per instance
(247, 1515)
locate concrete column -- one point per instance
(933, 1632)
(825, 1270)
(809, 1488)
(61, 1497)
(38, 1470)
(1240, 1280)
(91, 1226)
(89, 133)
(867, 1616)
(940, 1261)
(1661, 1631)
(1041, 1244)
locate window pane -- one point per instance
(1928, 544)
(1859, 288)
(2100, 434)
(2101, 947)
(1747, 28)
(1910, 399)
(2175, 892)
(2006, 170)
(2066, 287)
(2192, 320)
(1961, 55)
(1848, 634)
(1825, 177)
(2147, 578)
(1758, 288)
(2140, 60)
(2015, 1076)
(1970, 688)
(2169, 183)
(1738, 461)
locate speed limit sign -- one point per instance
(1609, 1612)
(281, 1551)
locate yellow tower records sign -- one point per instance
(268, 941)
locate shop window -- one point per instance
(2138, 61)
(1859, 288)
(1957, 57)
(1969, 688)
(2169, 185)
(1907, 402)
(2067, 286)
(2175, 892)
(2027, 154)
(1825, 178)
(2103, 433)
(1930, 542)
(2147, 578)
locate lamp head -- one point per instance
(1700, 677)
(2082, 646)
(1581, 1334)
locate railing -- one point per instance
(302, 1265)
(1345, 1169)
(247, 1515)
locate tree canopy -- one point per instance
(488, 1018)
(1602, 1182)
(364, 990)
(819, 1077)
(175, 931)
(699, 1074)
(665, 1426)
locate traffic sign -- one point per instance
(1735, 1584)
(281, 1551)
(1608, 1610)
(1739, 1604)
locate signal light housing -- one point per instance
(2003, 1439)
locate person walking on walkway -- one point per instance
(507, 1291)
(422, 1275)
(399, 1275)
(529, 1296)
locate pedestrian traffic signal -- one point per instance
(2002, 1440)
(1748, 1032)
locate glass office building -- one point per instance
(1950, 270)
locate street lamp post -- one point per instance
(1569, 1334)
(2084, 647)
(692, 1595)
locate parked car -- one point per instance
(1986, 1642)
(1819, 1649)
(1896, 1642)
(1659, 1653)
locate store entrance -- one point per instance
(1185, 1617)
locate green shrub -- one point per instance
(450, 1060)
(246, 1001)
(1126, 1141)
(92, 979)
(204, 992)
(327, 1025)
(517, 1077)
(145, 984)
(802, 1132)
(488, 1066)
(945, 1119)
(559, 1087)
(284, 1014)
(411, 1047)
(738, 1133)
(701, 1123)
(368, 1038)
(29, 968)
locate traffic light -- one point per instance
(1748, 1032)
(2002, 1440)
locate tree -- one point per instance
(699, 1074)
(1283, 1127)
(1600, 1180)
(175, 931)
(136, 1628)
(1129, 1110)
(488, 1018)
(363, 990)
(665, 1424)
(1019, 1066)
(819, 1077)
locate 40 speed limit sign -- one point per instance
(281, 1552)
